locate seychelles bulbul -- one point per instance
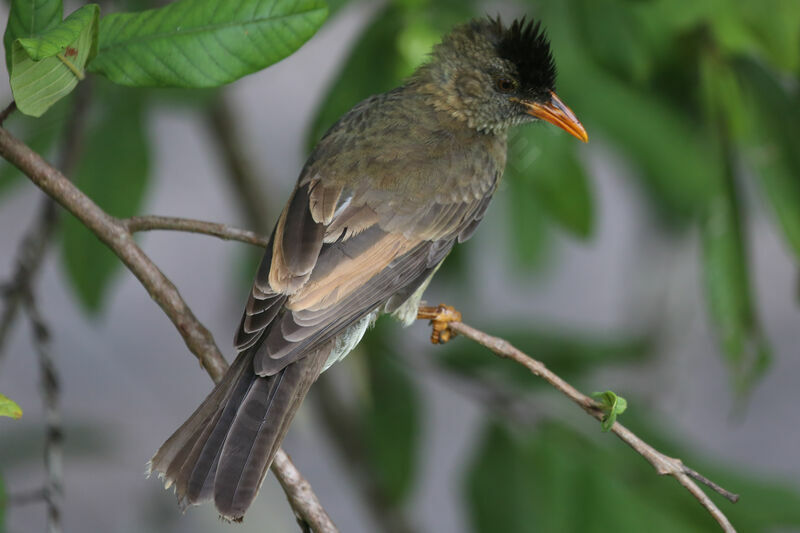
(382, 199)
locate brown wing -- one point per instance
(316, 278)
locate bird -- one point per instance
(382, 199)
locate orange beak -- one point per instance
(556, 112)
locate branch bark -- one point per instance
(198, 339)
(663, 464)
(222, 231)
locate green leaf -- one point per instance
(114, 174)
(203, 43)
(728, 289)
(392, 417)
(773, 117)
(546, 157)
(9, 408)
(46, 68)
(612, 405)
(727, 276)
(28, 18)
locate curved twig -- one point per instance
(189, 225)
(663, 464)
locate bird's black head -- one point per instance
(525, 45)
(494, 76)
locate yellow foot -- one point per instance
(440, 317)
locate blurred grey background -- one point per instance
(128, 377)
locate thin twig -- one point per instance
(663, 464)
(229, 233)
(198, 339)
(50, 388)
(10, 108)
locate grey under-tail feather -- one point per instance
(223, 451)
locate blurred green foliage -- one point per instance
(553, 479)
(115, 179)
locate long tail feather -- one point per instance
(223, 451)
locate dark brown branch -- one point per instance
(663, 464)
(10, 108)
(198, 339)
(152, 222)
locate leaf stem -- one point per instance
(75, 70)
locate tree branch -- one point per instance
(663, 464)
(228, 233)
(198, 339)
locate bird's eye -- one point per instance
(505, 85)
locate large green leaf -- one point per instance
(546, 157)
(9, 407)
(114, 174)
(392, 418)
(203, 43)
(47, 67)
(28, 18)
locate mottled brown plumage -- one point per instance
(382, 199)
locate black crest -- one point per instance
(525, 44)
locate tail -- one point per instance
(223, 451)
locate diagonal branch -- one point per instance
(198, 339)
(663, 464)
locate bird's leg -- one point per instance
(440, 317)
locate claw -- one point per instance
(440, 317)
